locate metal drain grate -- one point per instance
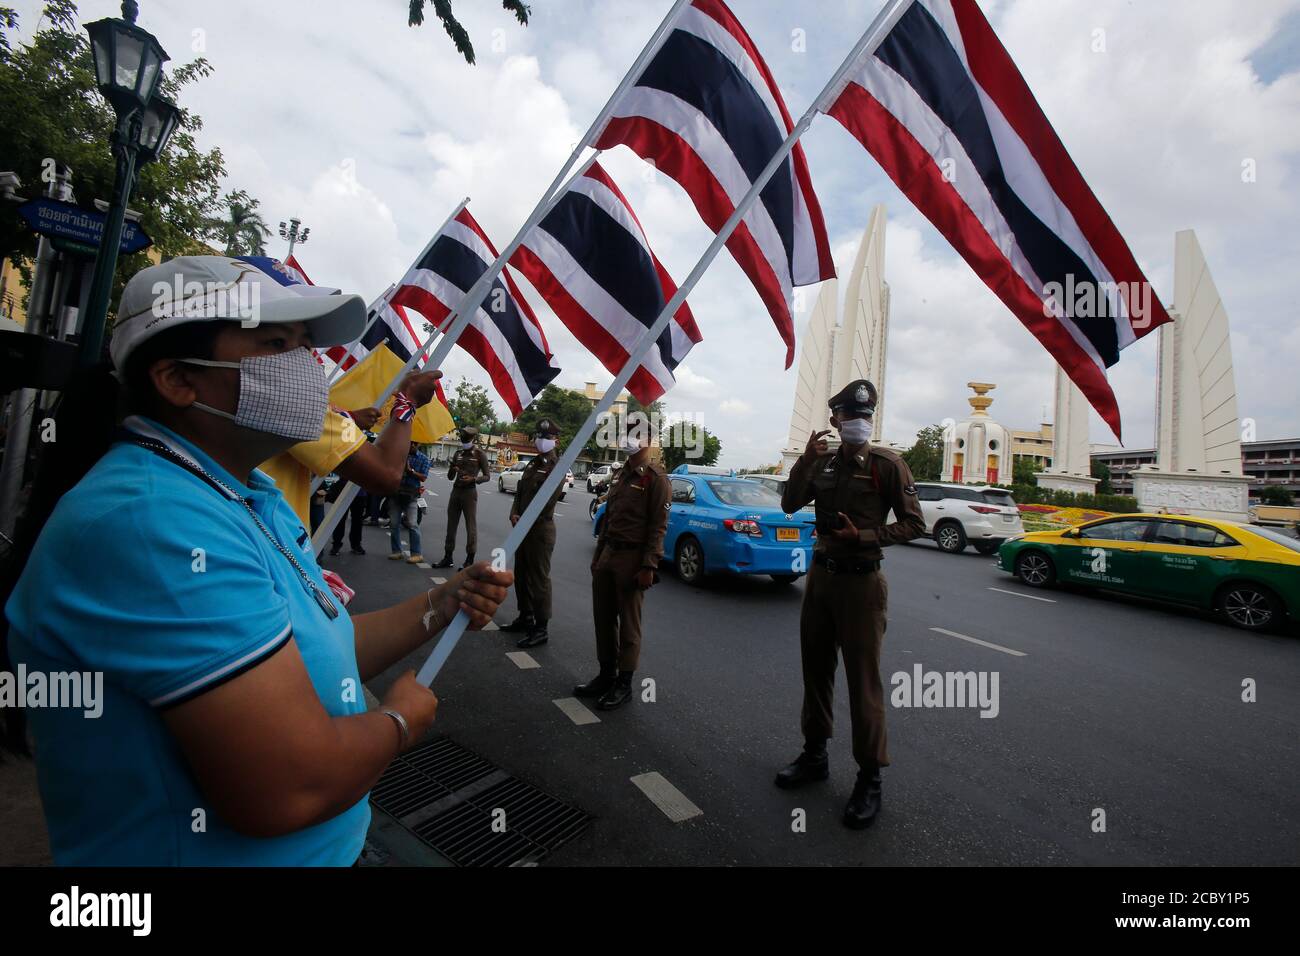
(446, 796)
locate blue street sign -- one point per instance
(77, 226)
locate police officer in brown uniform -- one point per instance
(468, 470)
(625, 566)
(533, 559)
(844, 601)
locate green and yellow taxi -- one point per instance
(1248, 574)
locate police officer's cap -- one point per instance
(547, 429)
(856, 398)
(468, 433)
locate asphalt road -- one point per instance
(1104, 704)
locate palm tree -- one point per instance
(442, 10)
(243, 231)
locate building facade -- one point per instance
(1265, 464)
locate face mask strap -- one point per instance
(209, 362)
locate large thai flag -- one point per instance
(707, 112)
(589, 259)
(943, 109)
(503, 336)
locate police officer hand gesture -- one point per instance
(816, 443)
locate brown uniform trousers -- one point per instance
(631, 538)
(844, 607)
(462, 501)
(533, 559)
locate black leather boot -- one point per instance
(809, 767)
(619, 694)
(597, 686)
(535, 637)
(520, 625)
(446, 561)
(861, 810)
(469, 559)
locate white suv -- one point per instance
(508, 480)
(957, 515)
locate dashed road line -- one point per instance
(674, 804)
(573, 709)
(491, 626)
(438, 580)
(976, 640)
(523, 660)
(1032, 597)
(426, 565)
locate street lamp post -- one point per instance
(128, 69)
(294, 233)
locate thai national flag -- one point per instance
(943, 109)
(504, 335)
(707, 112)
(589, 259)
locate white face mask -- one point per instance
(285, 394)
(856, 431)
(545, 445)
(466, 445)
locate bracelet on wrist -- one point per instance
(403, 730)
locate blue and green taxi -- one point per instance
(1247, 574)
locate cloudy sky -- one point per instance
(372, 131)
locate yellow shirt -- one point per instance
(294, 469)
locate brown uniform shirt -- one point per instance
(469, 463)
(636, 511)
(535, 473)
(866, 487)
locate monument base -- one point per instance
(788, 458)
(1059, 481)
(1224, 497)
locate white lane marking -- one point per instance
(574, 710)
(523, 660)
(976, 640)
(674, 804)
(1032, 597)
(438, 580)
(557, 514)
(491, 626)
(426, 565)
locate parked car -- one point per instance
(1249, 575)
(508, 480)
(957, 515)
(718, 524)
(598, 480)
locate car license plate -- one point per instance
(1008, 517)
(787, 534)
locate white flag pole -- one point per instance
(875, 34)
